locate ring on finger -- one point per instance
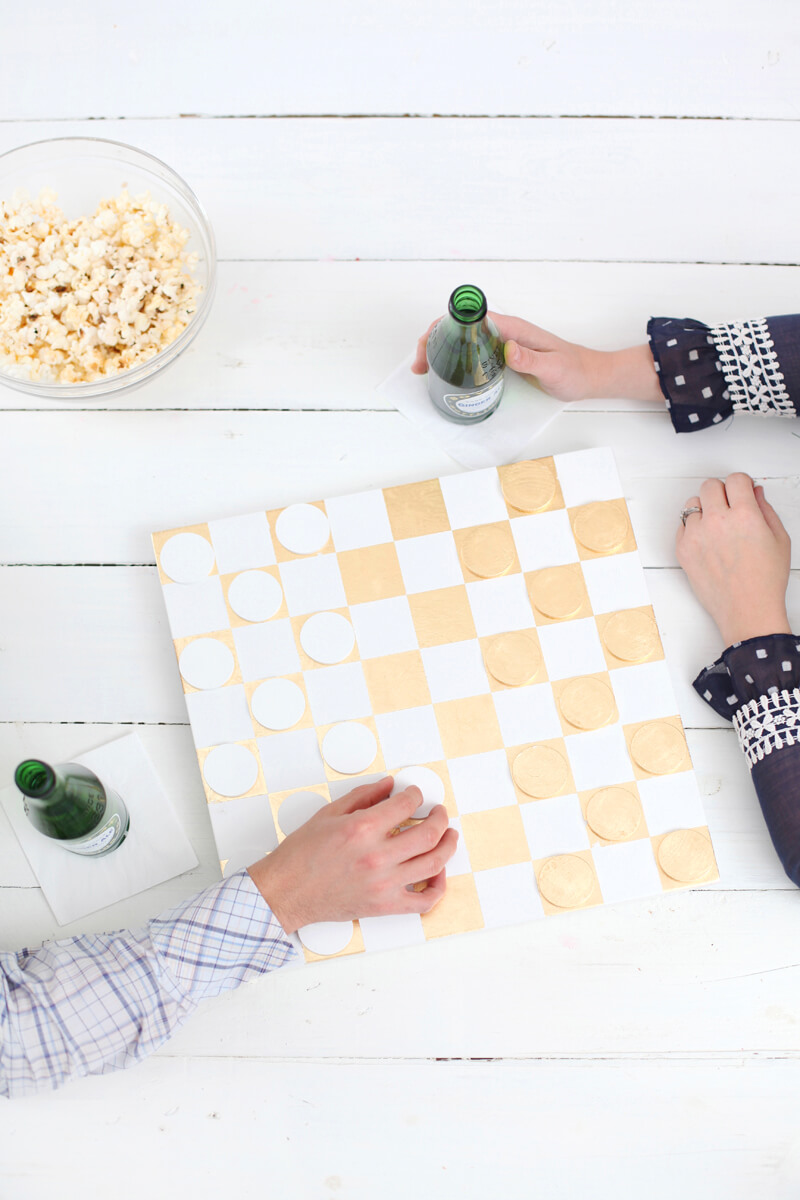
(687, 512)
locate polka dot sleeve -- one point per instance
(756, 685)
(707, 373)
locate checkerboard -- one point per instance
(392, 565)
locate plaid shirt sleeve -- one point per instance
(89, 1005)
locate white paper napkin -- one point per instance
(504, 437)
(155, 849)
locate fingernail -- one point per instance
(512, 352)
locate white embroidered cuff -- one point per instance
(767, 724)
(751, 368)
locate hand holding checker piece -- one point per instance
(500, 635)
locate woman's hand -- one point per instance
(348, 860)
(736, 553)
(567, 370)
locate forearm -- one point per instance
(89, 1005)
(624, 375)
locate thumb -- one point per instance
(770, 516)
(523, 360)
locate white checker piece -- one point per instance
(255, 596)
(429, 783)
(187, 557)
(326, 937)
(278, 704)
(302, 528)
(297, 809)
(327, 637)
(349, 748)
(206, 663)
(230, 770)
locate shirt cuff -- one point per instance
(227, 935)
(756, 685)
(689, 372)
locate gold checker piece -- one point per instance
(441, 676)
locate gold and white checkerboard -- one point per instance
(417, 678)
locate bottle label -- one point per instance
(474, 403)
(98, 841)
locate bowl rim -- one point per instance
(131, 376)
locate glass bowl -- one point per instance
(83, 171)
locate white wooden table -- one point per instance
(649, 1049)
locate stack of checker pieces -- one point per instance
(489, 632)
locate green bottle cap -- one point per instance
(467, 305)
(35, 778)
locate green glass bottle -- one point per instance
(466, 363)
(70, 804)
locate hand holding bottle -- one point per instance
(348, 860)
(567, 370)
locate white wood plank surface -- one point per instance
(571, 188)
(480, 57)
(451, 1130)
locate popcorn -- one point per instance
(83, 299)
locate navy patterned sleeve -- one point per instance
(709, 372)
(756, 685)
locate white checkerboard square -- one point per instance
(671, 802)
(292, 760)
(644, 692)
(627, 871)
(194, 608)
(337, 693)
(266, 649)
(572, 648)
(473, 498)
(554, 826)
(429, 562)
(409, 736)
(598, 758)
(500, 605)
(312, 584)
(392, 933)
(242, 543)
(527, 714)
(615, 582)
(219, 716)
(508, 895)
(544, 540)
(459, 864)
(481, 781)
(383, 627)
(358, 520)
(243, 829)
(587, 475)
(455, 671)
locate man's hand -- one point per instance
(348, 861)
(567, 370)
(736, 553)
